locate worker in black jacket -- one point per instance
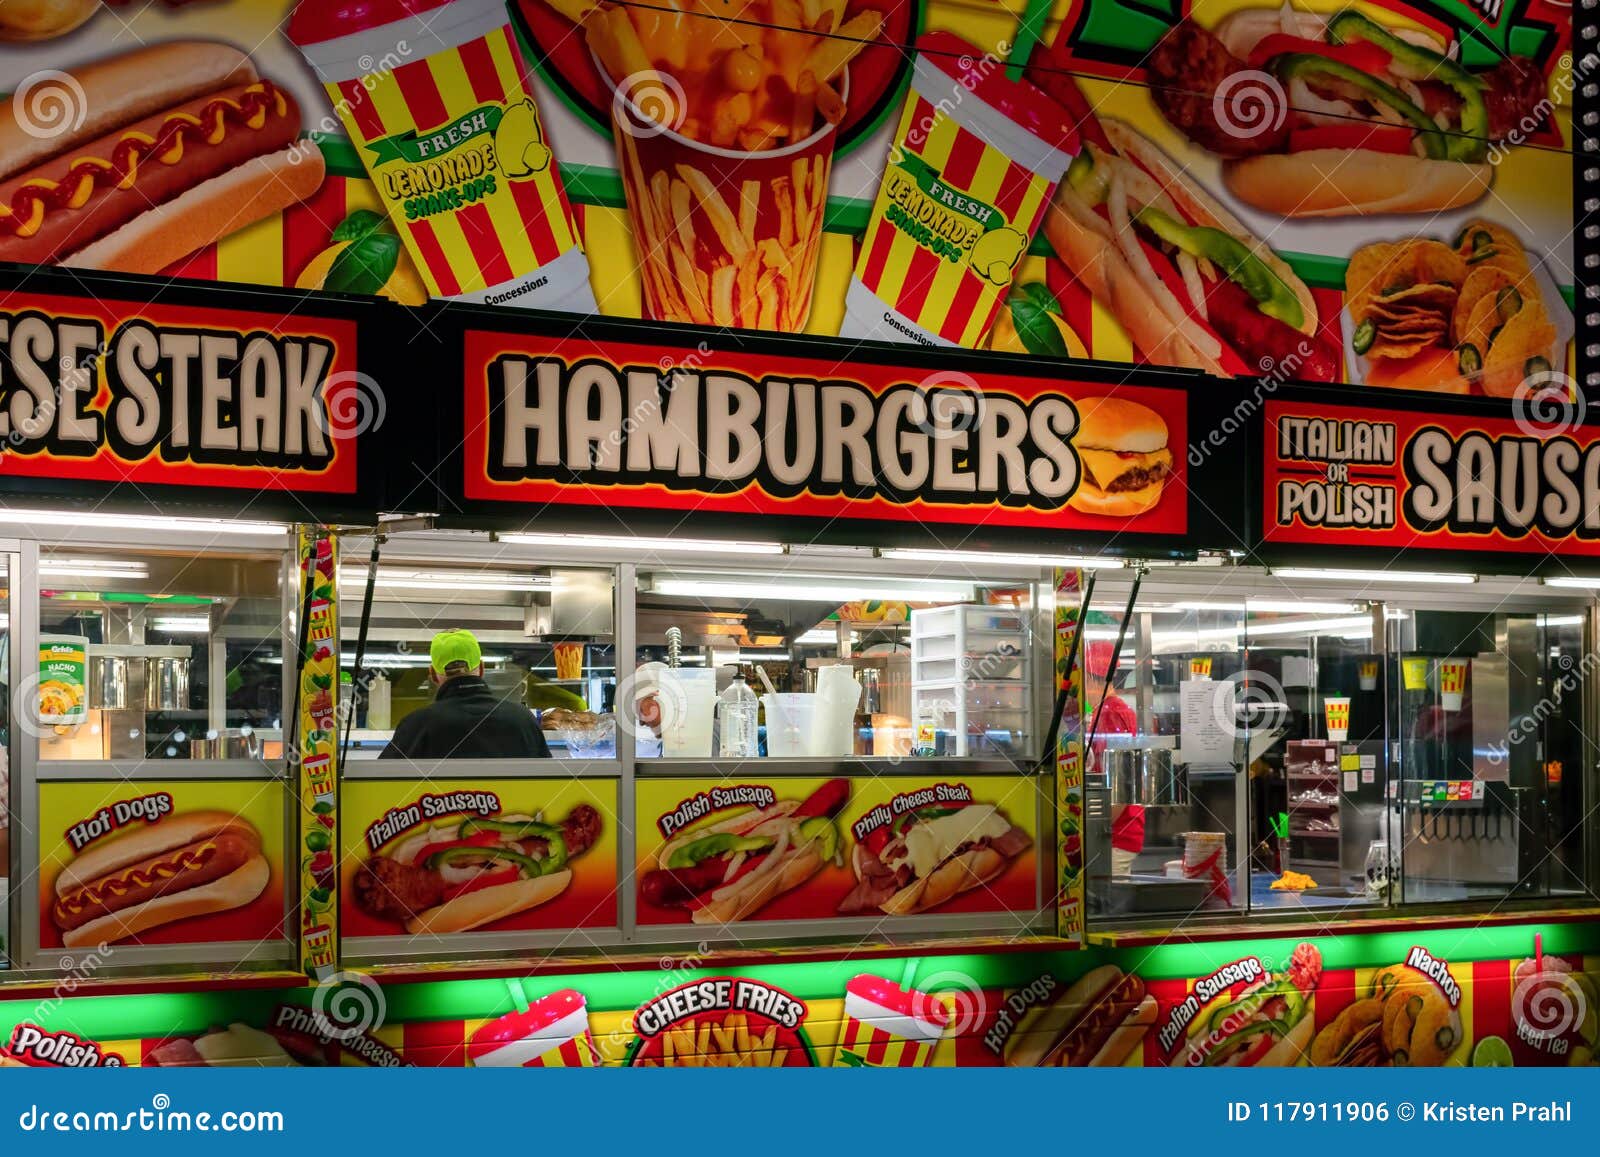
(465, 720)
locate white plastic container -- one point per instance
(688, 700)
(790, 718)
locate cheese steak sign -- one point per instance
(553, 420)
(1341, 476)
(106, 391)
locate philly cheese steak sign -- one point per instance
(553, 420)
(98, 390)
(1345, 476)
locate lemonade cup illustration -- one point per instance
(1414, 674)
(725, 131)
(436, 97)
(1336, 712)
(974, 162)
(1368, 674)
(1200, 667)
(887, 1026)
(1452, 683)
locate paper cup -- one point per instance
(551, 1033)
(1452, 682)
(1368, 675)
(438, 103)
(974, 162)
(1200, 667)
(1414, 674)
(887, 1026)
(1336, 712)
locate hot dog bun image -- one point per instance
(468, 872)
(189, 865)
(1096, 1022)
(930, 856)
(1341, 114)
(180, 144)
(1126, 463)
(1188, 283)
(728, 870)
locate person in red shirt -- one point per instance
(1112, 715)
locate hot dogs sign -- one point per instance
(159, 863)
(118, 391)
(1427, 480)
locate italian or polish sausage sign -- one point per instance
(552, 420)
(1346, 476)
(99, 390)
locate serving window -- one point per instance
(749, 665)
(1282, 753)
(545, 634)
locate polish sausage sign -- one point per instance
(1338, 476)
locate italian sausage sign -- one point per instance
(1347, 476)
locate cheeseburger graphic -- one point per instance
(1126, 462)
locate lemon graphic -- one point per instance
(404, 285)
(1004, 338)
(518, 142)
(996, 254)
(1492, 1052)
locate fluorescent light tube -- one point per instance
(626, 542)
(1372, 576)
(989, 558)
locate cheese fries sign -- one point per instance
(116, 391)
(1342, 476)
(569, 421)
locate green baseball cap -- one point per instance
(455, 647)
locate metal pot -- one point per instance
(166, 684)
(229, 743)
(1161, 782)
(1145, 775)
(110, 682)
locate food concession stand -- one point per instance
(908, 704)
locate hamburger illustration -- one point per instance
(1126, 462)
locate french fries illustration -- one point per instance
(724, 117)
